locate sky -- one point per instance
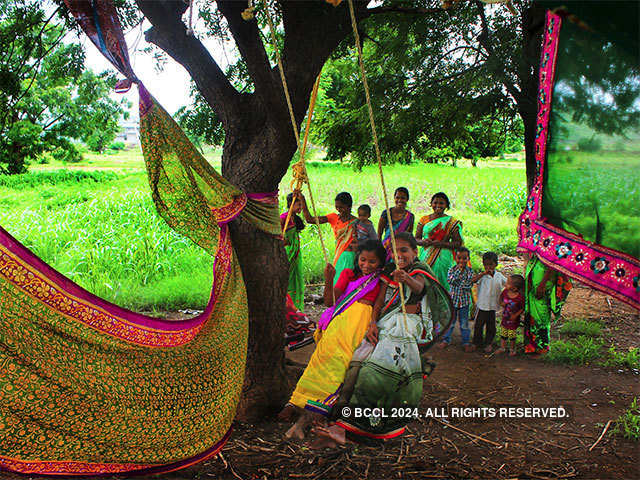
(169, 86)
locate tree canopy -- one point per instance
(47, 97)
(445, 83)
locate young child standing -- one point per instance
(490, 285)
(459, 278)
(512, 299)
(364, 226)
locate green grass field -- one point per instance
(98, 225)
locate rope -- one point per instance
(294, 126)
(363, 76)
(298, 170)
(190, 29)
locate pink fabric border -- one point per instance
(71, 468)
(610, 271)
(110, 318)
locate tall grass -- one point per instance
(101, 229)
(118, 248)
(581, 351)
(56, 177)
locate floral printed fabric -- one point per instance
(612, 271)
(90, 388)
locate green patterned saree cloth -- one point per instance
(90, 388)
(388, 377)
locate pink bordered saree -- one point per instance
(582, 216)
(89, 388)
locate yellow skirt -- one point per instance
(319, 385)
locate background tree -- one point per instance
(258, 141)
(452, 85)
(47, 98)
(460, 82)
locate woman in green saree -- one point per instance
(545, 293)
(439, 235)
(292, 247)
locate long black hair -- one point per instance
(297, 221)
(374, 246)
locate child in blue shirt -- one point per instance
(459, 278)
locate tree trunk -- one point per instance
(255, 162)
(264, 268)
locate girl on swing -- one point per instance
(380, 366)
(343, 225)
(340, 331)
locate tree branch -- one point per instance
(406, 10)
(313, 31)
(53, 121)
(249, 42)
(170, 34)
(485, 41)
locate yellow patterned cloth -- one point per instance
(318, 387)
(87, 387)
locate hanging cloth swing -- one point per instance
(90, 388)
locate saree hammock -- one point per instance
(90, 388)
(582, 216)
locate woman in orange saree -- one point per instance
(343, 225)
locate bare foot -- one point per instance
(469, 348)
(330, 436)
(488, 349)
(296, 431)
(443, 345)
(500, 350)
(512, 353)
(289, 413)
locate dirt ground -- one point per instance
(472, 448)
(483, 448)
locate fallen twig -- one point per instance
(606, 427)
(468, 433)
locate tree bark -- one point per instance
(259, 145)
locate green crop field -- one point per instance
(95, 221)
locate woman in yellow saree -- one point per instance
(340, 331)
(343, 225)
(439, 235)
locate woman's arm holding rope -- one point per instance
(307, 215)
(416, 283)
